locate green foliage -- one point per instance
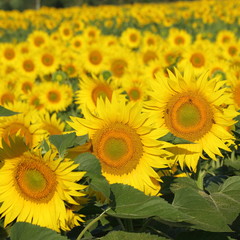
(119, 235)
(128, 202)
(213, 211)
(91, 165)
(27, 231)
(4, 112)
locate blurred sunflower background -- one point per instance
(119, 119)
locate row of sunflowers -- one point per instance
(118, 122)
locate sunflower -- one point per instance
(23, 124)
(91, 89)
(91, 33)
(65, 31)
(131, 38)
(150, 39)
(6, 95)
(120, 62)
(224, 37)
(77, 43)
(234, 83)
(34, 189)
(125, 143)
(24, 86)
(198, 56)
(28, 66)
(94, 57)
(38, 39)
(231, 50)
(8, 53)
(135, 86)
(55, 96)
(179, 37)
(154, 67)
(48, 60)
(33, 98)
(51, 124)
(190, 108)
(148, 54)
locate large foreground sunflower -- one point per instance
(125, 143)
(34, 188)
(191, 108)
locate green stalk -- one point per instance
(91, 223)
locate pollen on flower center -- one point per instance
(35, 181)
(188, 116)
(118, 148)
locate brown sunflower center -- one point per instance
(133, 37)
(47, 60)
(9, 54)
(232, 50)
(18, 128)
(38, 41)
(226, 39)
(66, 32)
(118, 66)
(197, 60)
(134, 94)
(188, 116)
(77, 43)
(150, 41)
(35, 180)
(118, 147)
(149, 56)
(101, 90)
(95, 57)
(54, 96)
(170, 58)
(179, 40)
(7, 97)
(28, 65)
(27, 86)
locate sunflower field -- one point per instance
(120, 122)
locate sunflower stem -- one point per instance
(129, 225)
(121, 224)
(91, 223)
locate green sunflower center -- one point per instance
(189, 116)
(95, 57)
(134, 94)
(197, 60)
(118, 147)
(28, 65)
(34, 180)
(115, 148)
(54, 96)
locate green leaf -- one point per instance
(227, 198)
(25, 231)
(120, 235)
(62, 142)
(4, 112)
(201, 235)
(128, 202)
(212, 212)
(89, 163)
(80, 140)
